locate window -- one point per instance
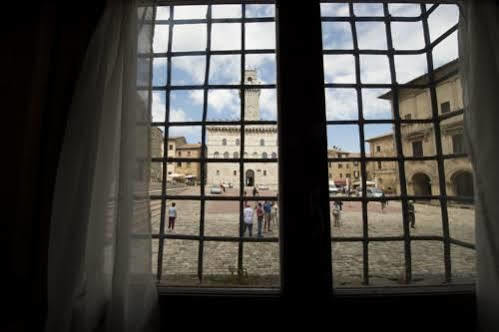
(458, 144)
(204, 59)
(359, 115)
(274, 155)
(408, 116)
(445, 107)
(378, 148)
(379, 164)
(189, 153)
(170, 147)
(417, 149)
(347, 165)
(179, 153)
(188, 164)
(340, 165)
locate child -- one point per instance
(172, 215)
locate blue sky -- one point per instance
(341, 104)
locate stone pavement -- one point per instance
(261, 260)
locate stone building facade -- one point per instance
(418, 139)
(343, 173)
(190, 170)
(260, 142)
(383, 173)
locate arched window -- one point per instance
(264, 155)
(237, 141)
(262, 142)
(255, 155)
(216, 154)
(274, 155)
(224, 141)
(236, 154)
(226, 155)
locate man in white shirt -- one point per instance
(248, 219)
(172, 215)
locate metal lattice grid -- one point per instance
(396, 122)
(204, 160)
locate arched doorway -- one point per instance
(421, 184)
(250, 178)
(462, 183)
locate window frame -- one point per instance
(292, 283)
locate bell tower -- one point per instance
(251, 97)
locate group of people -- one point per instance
(266, 215)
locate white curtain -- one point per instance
(479, 61)
(99, 269)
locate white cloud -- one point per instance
(334, 9)
(408, 67)
(407, 35)
(374, 107)
(446, 50)
(374, 69)
(442, 19)
(260, 11)
(193, 65)
(226, 11)
(158, 107)
(189, 37)
(226, 36)
(260, 35)
(224, 99)
(341, 104)
(371, 35)
(197, 96)
(160, 41)
(268, 103)
(225, 69)
(368, 9)
(190, 12)
(162, 13)
(398, 9)
(339, 69)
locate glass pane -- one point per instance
(265, 66)
(221, 218)
(404, 10)
(189, 37)
(188, 70)
(260, 11)
(190, 12)
(226, 11)
(225, 69)
(337, 36)
(180, 262)
(371, 35)
(344, 140)
(410, 67)
(386, 263)
(407, 35)
(347, 264)
(376, 104)
(334, 9)
(385, 217)
(374, 69)
(224, 105)
(226, 36)
(341, 104)
(339, 68)
(261, 262)
(346, 217)
(368, 9)
(186, 105)
(427, 262)
(260, 35)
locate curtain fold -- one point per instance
(99, 260)
(479, 68)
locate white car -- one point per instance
(333, 189)
(215, 190)
(262, 187)
(227, 184)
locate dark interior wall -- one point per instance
(44, 48)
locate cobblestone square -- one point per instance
(386, 260)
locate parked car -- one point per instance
(262, 187)
(215, 190)
(371, 192)
(227, 184)
(333, 189)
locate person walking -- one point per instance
(411, 213)
(259, 217)
(267, 209)
(383, 202)
(273, 214)
(336, 214)
(248, 220)
(172, 215)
